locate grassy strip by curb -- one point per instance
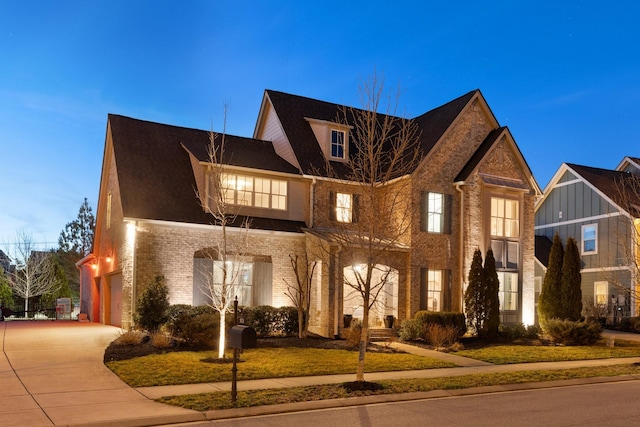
(222, 400)
(506, 354)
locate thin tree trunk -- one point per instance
(362, 350)
(221, 339)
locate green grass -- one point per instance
(506, 354)
(187, 367)
(222, 400)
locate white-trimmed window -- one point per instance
(590, 239)
(435, 212)
(249, 191)
(434, 290)
(337, 144)
(505, 217)
(344, 207)
(508, 291)
(601, 293)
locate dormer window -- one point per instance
(337, 144)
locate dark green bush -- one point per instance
(568, 332)
(513, 332)
(444, 318)
(286, 321)
(269, 321)
(630, 324)
(193, 326)
(151, 308)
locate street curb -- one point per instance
(404, 397)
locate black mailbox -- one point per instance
(242, 336)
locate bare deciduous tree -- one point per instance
(384, 151)
(626, 236)
(227, 255)
(33, 273)
(300, 292)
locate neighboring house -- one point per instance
(5, 261)
(473, 189)
(600, 210)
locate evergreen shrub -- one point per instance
(569, 332)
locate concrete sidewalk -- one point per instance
(51, 373)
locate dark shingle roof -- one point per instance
(611, 184)
(543, 249)
(156, 177)
(293, 109)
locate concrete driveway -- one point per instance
(51, 373)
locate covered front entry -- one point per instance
(384, 299)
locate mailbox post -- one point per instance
(240, 337)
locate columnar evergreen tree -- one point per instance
(474, 300)
(549, 305)
(492, 286)
(571, 292)
(152, 306)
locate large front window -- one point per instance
(508, 291)
(504, 217)
(434, 290)
(249, 191)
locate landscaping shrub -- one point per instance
(269, 321)
(513, 332)
(630, 324)
(568, 332)
(440, 336)
(160, 340)
(457, 320)
(285, 321)
(130, 338)
(260, 318)
(193, 326)
(151, 308)
(353, 333)
(410, 330)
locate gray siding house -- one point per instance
(599, 209)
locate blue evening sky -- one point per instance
(562, 75)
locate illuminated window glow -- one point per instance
(249, 191)
(344, 207)
(504, 217)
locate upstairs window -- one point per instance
(249, 191)
(436, 213)
(590, 239)
(505, 216)
(337, 144)
(343, 207)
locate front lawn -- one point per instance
(188, 368)
(500, 354)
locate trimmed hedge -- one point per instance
(443, 318)
(270, 321)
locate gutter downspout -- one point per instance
(312, 198)
(458, 186)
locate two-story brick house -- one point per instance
(600, 209)
(472, 189)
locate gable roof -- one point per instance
(292, 111)
(610, 183)
(156, 176)
(492, 138)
